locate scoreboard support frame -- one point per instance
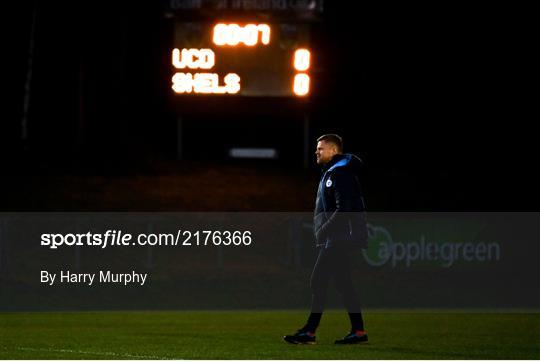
(179, 138)
(306, 141)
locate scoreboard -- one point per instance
(241, 58)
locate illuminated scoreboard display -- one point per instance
(248, 58)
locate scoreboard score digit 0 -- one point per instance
(245, 59)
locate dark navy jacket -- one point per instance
(339, 217)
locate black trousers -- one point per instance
(334, 264)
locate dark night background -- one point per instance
(435, 99)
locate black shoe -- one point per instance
(352, 338)
(300, 337)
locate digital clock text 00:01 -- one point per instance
(234, 34)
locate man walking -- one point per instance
(339, 226)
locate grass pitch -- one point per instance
(258, 335)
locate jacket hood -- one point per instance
(352, 162)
